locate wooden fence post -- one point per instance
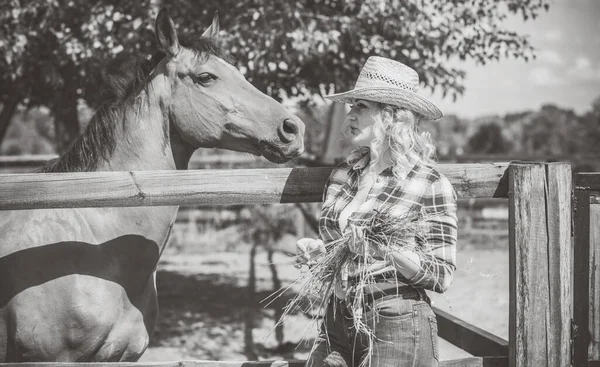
(586, 265)
(540, 264)
(581, 275)
(593, 281)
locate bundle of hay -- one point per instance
(363, 244)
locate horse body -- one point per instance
(91, 297)
(79, 284)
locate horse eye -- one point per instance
(206, 78)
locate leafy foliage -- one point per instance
(55, 52)
(489, 139)
(590, 131)
(48, 45)
(301, 47)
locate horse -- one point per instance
(80, 284)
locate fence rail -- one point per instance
(539, 247)
(468, 337)
(209, 187)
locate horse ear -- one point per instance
(166, 35)
(212, 32)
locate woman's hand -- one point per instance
(407, 262)
(308, 250)
(362, 246)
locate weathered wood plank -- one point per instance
(539, 234)
(527, 237)
(594, 283)
(559, 191)
(581, 275)
(469, 338)
(207, 187)
(145, 188)
(478, 180)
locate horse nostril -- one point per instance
(290, 127)
(289, 130)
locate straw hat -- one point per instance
(390, 82)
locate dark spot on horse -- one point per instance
(135, 256)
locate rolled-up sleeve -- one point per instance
(328, 217)
(438, 255)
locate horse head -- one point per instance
(211, 104)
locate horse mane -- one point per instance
(123, 78)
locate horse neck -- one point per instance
(144, 142)
(143, 138)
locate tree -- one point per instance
(54, 50)
(553, 131)
(488, 140)
(299, 47)
(590, 131)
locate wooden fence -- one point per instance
(586, 264)
(539, 196)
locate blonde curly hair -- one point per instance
(408, 142)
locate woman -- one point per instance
(391, 172)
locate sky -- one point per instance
(566, 71)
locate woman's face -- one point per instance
(358, 124)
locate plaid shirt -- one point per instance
(424, 190)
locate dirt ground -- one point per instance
(206, 311)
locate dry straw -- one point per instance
(376, 238)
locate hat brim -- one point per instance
(392, 96)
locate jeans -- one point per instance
(405, 333)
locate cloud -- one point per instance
(582, 63)
(544, 76)
(556, 71)
(550, 57)
(553, 35)
(507, 83)
(584, 70)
